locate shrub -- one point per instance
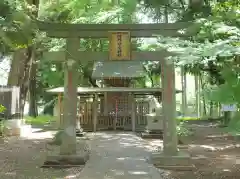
(2, 108)
(234, 124)
(183, 131)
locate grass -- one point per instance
(46, 119)
(188, 118)
(39, 120)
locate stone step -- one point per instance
(146, 135)
(180, 161)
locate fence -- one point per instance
(10, 99)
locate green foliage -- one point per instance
(228, 92)
(2, 108)
(198, 52)
(210, 38)
(212, 51)
(183, 131)
(40, 120)
(16, 27)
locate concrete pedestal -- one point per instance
(55, 159)
(154, 122)
(154, 128)
(181, 161)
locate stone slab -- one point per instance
(181, 161)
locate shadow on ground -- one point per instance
(214, 153)
(21, 158)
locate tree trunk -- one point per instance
(204, 112)
(24, 84)
(197, 103)
(20, 66)
(19, 73)
(17, 67)
(211, 106)
(16, 73)
(33, 109)
(184, 92)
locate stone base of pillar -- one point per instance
(79, 133)
(12, 127)
(55, 159)
(181, 161)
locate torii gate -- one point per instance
(73, 33)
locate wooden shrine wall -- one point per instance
(122, 104)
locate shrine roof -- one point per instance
(118, 69)
(92, 90)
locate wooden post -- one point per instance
(169, 108)
(105, 108)
(68, 146)
(60, 123)
(133, 116)
(116, 115)
(105, 105)
(95, 111)
(78, 123)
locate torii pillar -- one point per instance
(71, 151)
(170, 157)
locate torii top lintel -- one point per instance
(62, 30)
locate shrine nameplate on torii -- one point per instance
(119, 45)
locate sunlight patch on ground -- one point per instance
(70, 177)
(28, 133)
(215, 148)
(138, 172)
(154, 145)
(130, 159)
(117, 172)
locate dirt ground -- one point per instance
(22, 159)
(214, 154)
